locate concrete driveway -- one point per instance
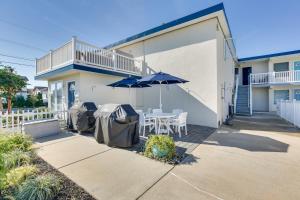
(256, 158)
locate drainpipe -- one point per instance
(250, 94)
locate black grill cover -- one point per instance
(81, 116)
(117, 125)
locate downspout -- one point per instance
(250, 93)
(236, 92)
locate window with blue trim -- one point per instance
(297, 94)
(297, 65)
(281, 95)
(279, 67)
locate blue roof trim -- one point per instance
(269, 55)
(53, 72)
(176, 22)
(82, 68)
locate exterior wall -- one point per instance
(64, 79)
(225, 73)
(93, 87)
(272, 106)
(268, 65)
(257, 67)
(260, 99)
(291, 59)
(264, 97)
(189, 53)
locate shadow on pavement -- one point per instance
(247, 142)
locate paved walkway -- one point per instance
(256, 158)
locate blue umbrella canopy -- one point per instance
(129, 82)
(161, 78)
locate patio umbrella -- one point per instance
(161, 79)
(129, 82)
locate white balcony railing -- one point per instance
(285, 77)
(79, 52)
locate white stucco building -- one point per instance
(273, 77)
(197, 47)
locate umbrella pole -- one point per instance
(160, 105)
(129, 95)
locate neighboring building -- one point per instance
(24, 90)
(197, 47)
(41, 90)
(273, 77)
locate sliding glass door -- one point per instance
(56, 96)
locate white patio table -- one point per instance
(160, 117)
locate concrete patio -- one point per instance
(256, 158)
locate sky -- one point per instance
(29, 29)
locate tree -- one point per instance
(19, 102)
(10, 84)
(31, 100)
(39, 101)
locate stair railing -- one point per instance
(250, 94)
(235, 92)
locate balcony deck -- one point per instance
(78, 53)
(275, 78)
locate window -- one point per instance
(236, 71)
(297, 65)
(297, 94)
(56, 92)
(281, 95)
(279, 67)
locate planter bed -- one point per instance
(69, 190)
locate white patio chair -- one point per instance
(139, 111)
(163, 125)
(157, 111)
(177, 111)
(149, 110)
(144, 122)
(180, 122)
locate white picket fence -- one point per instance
(290, 111)
(13, 121)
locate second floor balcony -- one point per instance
(276, 78)
(82, 53)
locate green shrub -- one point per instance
(15, 158)
(16, 176)
(43, 187)
(9, 142)
(160, 147)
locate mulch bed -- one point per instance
(69, 190)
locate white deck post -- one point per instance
(36, 67)
(74, 48)
(7, 118)
(18, 120)
(50, 60)
(13, 120)
(0, 118)
(114, 59)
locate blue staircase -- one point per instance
(242, 106)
